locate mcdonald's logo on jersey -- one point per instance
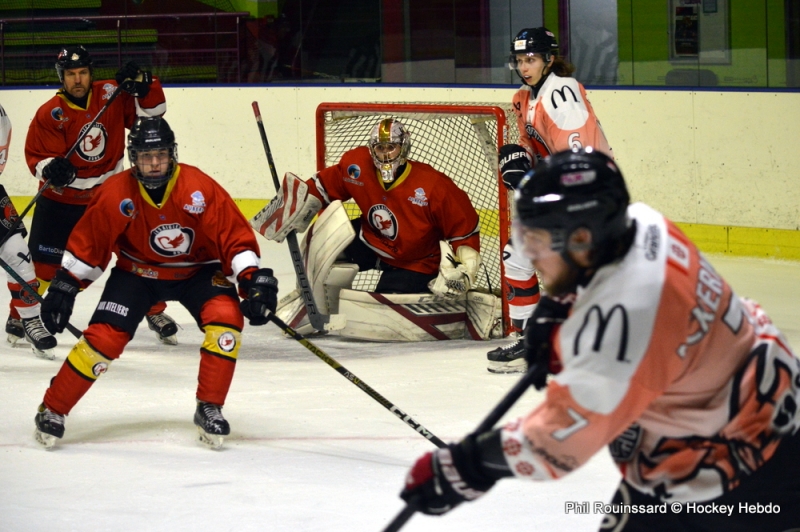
(563, 93)
(171, 240)
(599, 322)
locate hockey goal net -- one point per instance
(460, 140)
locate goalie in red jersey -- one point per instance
(416, 226)
(178, 236)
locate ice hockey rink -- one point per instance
(308, 451)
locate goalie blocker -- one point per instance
(364, 315)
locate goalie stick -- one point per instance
(74, 147)
(486, 425)
(355, 380)
(315, 317)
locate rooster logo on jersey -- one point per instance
(92, 146)
(171, 240)
(383, 221)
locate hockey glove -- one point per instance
(133, 80)
(443, 479)
(57, 305)
(457, 271)
(259, 289)
(60, 172)
(514, 161)
(539, 332)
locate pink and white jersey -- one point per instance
(5, 138)
(697, 382)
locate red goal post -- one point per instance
(461, 140)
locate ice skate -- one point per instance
(49, 427)
(165, 328)
(15, 334)
(211, 426)
(508, 359)
(42, 342)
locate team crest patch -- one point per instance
(57, 114)
(226, 342)
(127, 208)
(383, 220)
(354, 171)
(219, 280)
(99, 368)
(109, 88)
(9, 213)
(92, 146)
(171, 240)
(419, 198)
(198, 205)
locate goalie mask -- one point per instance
(579, 188)
(389, 145)
(72, 57)
(152, 151)
(531, 41)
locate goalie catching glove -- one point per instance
(457, 271)
(259, 290)
(291, 210)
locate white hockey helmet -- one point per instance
(389, 144)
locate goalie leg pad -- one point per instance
(401, 317)
(484, 316)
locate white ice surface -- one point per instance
(309, 451)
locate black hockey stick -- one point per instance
(486, 425)
(28, 288)
(74, 147)
(358, 382)
(315, 317)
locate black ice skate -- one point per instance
(15, 334)
(164, 327)
(49, 427)
(210, 424)
(508, 359)
(42, 342)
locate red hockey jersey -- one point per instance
(197, 223)
(404, 224)
(58, 124)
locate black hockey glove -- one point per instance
(57, 305)
(514, 161)
(60, 172)
(133, 80)
(259, 289)
(539, 331)
(443, 479)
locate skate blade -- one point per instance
(515, 366)
(45, 440)
(168, 340)
(213, 441)
(46, 354)
(16, 341)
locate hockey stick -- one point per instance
(74, 147)
(355, 380)
(28, 288)
(317, 319)
(486, 425)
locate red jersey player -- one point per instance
(178, 236)
(56, 127)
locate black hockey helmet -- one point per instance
(148, 134)
(72, 57)
(573, 189)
